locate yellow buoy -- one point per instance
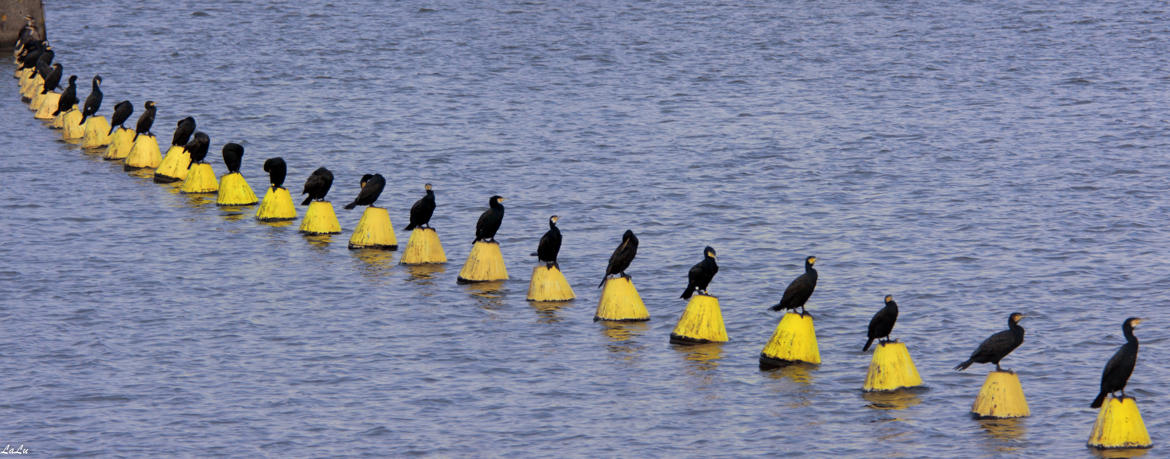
(120, 144)
(620, 302)
(37, 101)
(97, 132)
(1002, 396)
(48, 106)
(277, 206)
(795, 340)
(374, 231)
(59, 119)
(423, 247)
(549, 284)
(701, 322)
(200, 179)
(71, 125)
(1119, 425)
(144, 152)
(484, 263)
(891, 369)
(173, 167)
(30, 87)
(234, 191)
(320, 219)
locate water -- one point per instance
(971, 159)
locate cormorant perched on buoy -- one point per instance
(276, 170)
(997, 346)
(701, 274)
(197, 147)
(1121, 365)
(33, 55)
(44, 63)
(489, 222)
(93, 102)
(122, 112)
(233, 155)
(550, 244)
(621, 257)
(183, 131)
(146, 121)
(372, 185)
(882, 323)
(421, 211)
(799, 289)
(68, 97)
(317, 186)
(53, 79)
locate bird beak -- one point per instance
(1136, 322)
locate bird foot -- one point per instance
(626, 276)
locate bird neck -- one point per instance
(431, 194)
(1130, 338)
(808, 269)
(496, 205)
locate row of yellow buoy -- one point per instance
(1118, 425)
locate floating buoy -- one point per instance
(96, 132)
(620, 302)
(423, 247)
(38, 100)
(701, 322)
(71, 125)
(173, 167)
(276, 206)
(48, 106)
(320, 219)
(484, 263)
(59, 119)
(795, 340)
(891, 369)
(234, 191)
(374, 231)
(200, 179)
(30, 87)
(1001, 396)
(1119, 425)
(144, 153)
(120, 144)
(549, 284)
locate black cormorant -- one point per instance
(183, 130)
(882, 323)
(29, 61)
(799, 289)
(997, 346)
(233, 155)
(146, 121)
(45, 62)
(53, 79)
(197, 148)
(621, 257)
(122, 112)
(93, 102)
(701, 273)
(276, 169)
(489, 221)
(317, 185)
(550, 244)
(421, 211)
(372, 185)
(1120, 366)
(68, 97)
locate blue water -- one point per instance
(971, 159)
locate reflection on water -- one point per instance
(622, 331)
(891, 400)
(200, 199)
(375, 264)
(425, 274)
(318, 241)
(142, 173)
(547, 310)
(487, 294)
(799, 372)
(276, 224)
(1009, 431)
(233, 214)
(701, 356)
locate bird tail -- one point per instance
(534, 254)
(603, 279)
(867, 343)
(135, 136)
(83, 117)
(112, 127)
(410, 227)
(1099, 400)
(307, 200)
(687, 293)
(964, 365)
(351, 205)
(776, 307)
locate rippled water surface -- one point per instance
(970, 158)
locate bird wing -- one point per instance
(995, 344)
(801, 286)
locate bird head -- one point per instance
(97, 80)
(709, 252)
(553, 219)
(72, 79)
(427, 187)
(1015, 317)
(889, 298)
(627, 235)
(366, 178)
(1133, 322)
(810, 261)
(149, 104)
(497, 199)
